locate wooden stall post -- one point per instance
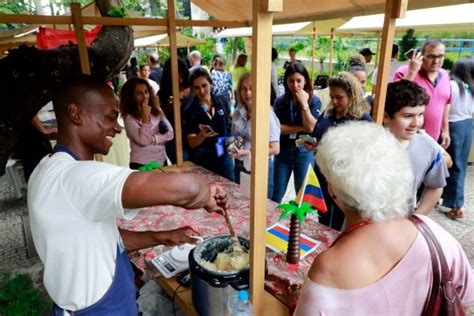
(379, 41)
(261, 69)
(331, 48)
(313, 53)
(394, 9)
(175, 82)
(81, 37)
(82, 46)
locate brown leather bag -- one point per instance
(444, 299)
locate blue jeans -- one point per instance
(239, 167)
(296, 159)
(461, 138)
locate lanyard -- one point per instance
(209, 114)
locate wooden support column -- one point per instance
(178, 131)
(313, 53)
(262, 19)
(81, 37)
(393, 9)
(331, 48)
(379, 41)
(82, 46)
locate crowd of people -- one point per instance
(373, 178)
(216, 104)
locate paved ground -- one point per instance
(13, 257)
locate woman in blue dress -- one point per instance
(298, 109)
(347, 104)
(207, 118)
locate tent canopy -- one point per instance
(291, 29)
(310, 10)
(456, 17)
(162, 40)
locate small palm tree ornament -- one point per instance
(309, 199)
(297, 215)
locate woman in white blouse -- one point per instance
(242, 126)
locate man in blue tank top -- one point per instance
(74, 202)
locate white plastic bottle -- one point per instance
(240, 305)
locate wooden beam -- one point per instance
(228, 24)
(269, 6)
(34, 19)
(331, 48)
(175, 82)
(399, 9)
(47, 19)
(81, 37)
(261, 74)
(379, 41)
(391, 10)
(82, 46)
(313, 43)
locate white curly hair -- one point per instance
(368, 169)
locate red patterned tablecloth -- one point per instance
(159, 218)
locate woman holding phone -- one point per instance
(145, 123)
(208, 118)
(242, 126)
(297, 110)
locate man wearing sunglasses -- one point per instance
(424, 68)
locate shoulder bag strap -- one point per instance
(429, 307)
(445, 272)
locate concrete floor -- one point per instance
(13, 254)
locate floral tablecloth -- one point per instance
(280, 274)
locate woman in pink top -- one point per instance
(145, 123)
(380, 264)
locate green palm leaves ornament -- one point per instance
(297, 215)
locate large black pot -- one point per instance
(211, 290)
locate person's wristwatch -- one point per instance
(305, 107)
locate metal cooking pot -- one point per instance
(211, 290)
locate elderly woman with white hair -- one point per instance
(380, 264)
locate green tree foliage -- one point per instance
(13, 8)
(408, 42)
(28, 7)
(17, 297)
(230, 45)
(207, 50)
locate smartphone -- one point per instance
(208, 130)
(409, 54)
(299, 142)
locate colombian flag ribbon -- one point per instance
(311, 192)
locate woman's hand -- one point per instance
(302, 96)
(237, 153)
(310, 146)
(145, 111)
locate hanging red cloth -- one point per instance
(48, 38)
